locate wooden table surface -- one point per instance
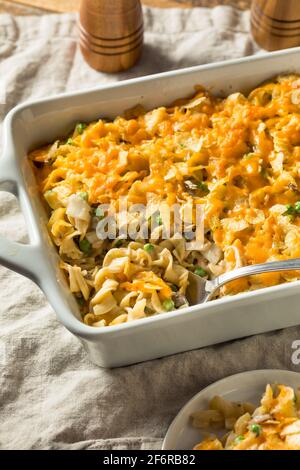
(29, 7)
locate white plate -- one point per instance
(244, 387)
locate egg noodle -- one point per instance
(237, 158)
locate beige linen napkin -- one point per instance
(51, 396)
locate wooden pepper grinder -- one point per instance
(275, 24)
(111, 33)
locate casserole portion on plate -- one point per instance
(274, 425)
(123, 199)
(241, 412)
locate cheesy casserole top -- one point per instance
(239, 157)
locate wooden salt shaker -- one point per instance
(111, 33)
(275, 24)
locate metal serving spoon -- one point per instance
(200, 291)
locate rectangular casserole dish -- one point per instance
(32, 124)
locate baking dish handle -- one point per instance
(7, 178)
(16, 256)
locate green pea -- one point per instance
(85, 246)
(81, 126)
(158, 219)
(200, 272)
(70, 141)
(149, 247)
(295, 398)
(99, 213)
(203, 187)
(256, 428)
(84, 195)
(239, 439)
(168, 305)
(292, 210)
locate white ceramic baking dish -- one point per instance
(35, 123)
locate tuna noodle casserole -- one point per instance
(239, 158)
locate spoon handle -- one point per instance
(274, 266)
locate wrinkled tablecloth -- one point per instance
(51, 396)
